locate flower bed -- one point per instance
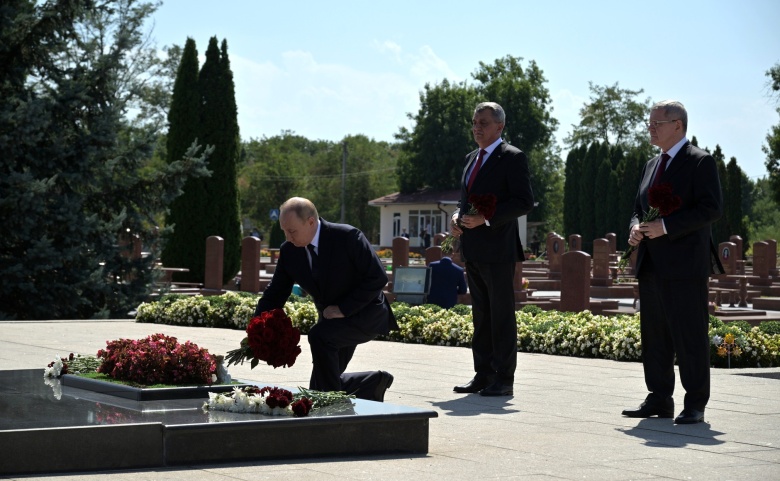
(580, 334)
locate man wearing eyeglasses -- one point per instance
(675, 258)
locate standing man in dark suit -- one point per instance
(491, 247)
(675, 258)
(337, 266)
(447, 281)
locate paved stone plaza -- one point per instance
(564, 421)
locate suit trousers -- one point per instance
(674, 320)
(494, 345)
(333, 342)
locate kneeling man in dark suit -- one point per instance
(337, 266)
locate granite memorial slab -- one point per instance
(56, 427)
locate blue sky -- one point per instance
(329, 69)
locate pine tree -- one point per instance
(187, 211)
(71, 164)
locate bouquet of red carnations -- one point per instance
(662, 203)
(484, 204)
(270, 337)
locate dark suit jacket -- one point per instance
(447, 281)
(351, 276)
(687, 251)
(506, 175)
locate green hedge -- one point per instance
(580, 334)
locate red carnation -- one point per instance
(662, 198)
(484, 204)
(270, 337)
(302, 407)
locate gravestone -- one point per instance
(761, 264)
(601, 257)
(438, 239)
(215, 252)
(612, 238)
(250, 264)
(772, 257)
(739, 254)
(130, 246)
(575, 242)
(400, 252)
(518, 280)
(433, 254)
(727, 252)
(575, 282)
(555, 248)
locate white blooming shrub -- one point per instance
(581, 334)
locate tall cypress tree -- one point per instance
(187, 211)
(571, 191)
(732, 205)
(219, 127)
(587, 198)
(603, 177)
(720, 229)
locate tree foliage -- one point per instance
(772, 147)
(186, 212)
(433, 151)
(279, 167)
(613, 117)
(204, 110)
(71, 177)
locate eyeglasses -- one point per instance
(654, 123)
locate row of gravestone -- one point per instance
(599, 273)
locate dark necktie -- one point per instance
(475, 170)
(314, 260)
(661, 168)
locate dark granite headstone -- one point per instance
(727, 252)
(215, 252)
(575, 242)
(555, 249)
(250, 264)
(400, 252)
(601, 257)
(433, 254)
(575, 282)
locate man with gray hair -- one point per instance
(337, 266)
(675, 257)
(490, 244)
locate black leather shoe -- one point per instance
(689, 416)
(384, 382)
(498, 388)
(475, 385)
(648, 409)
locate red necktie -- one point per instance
(475, 170)
(661, 168)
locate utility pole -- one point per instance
(343, 181)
